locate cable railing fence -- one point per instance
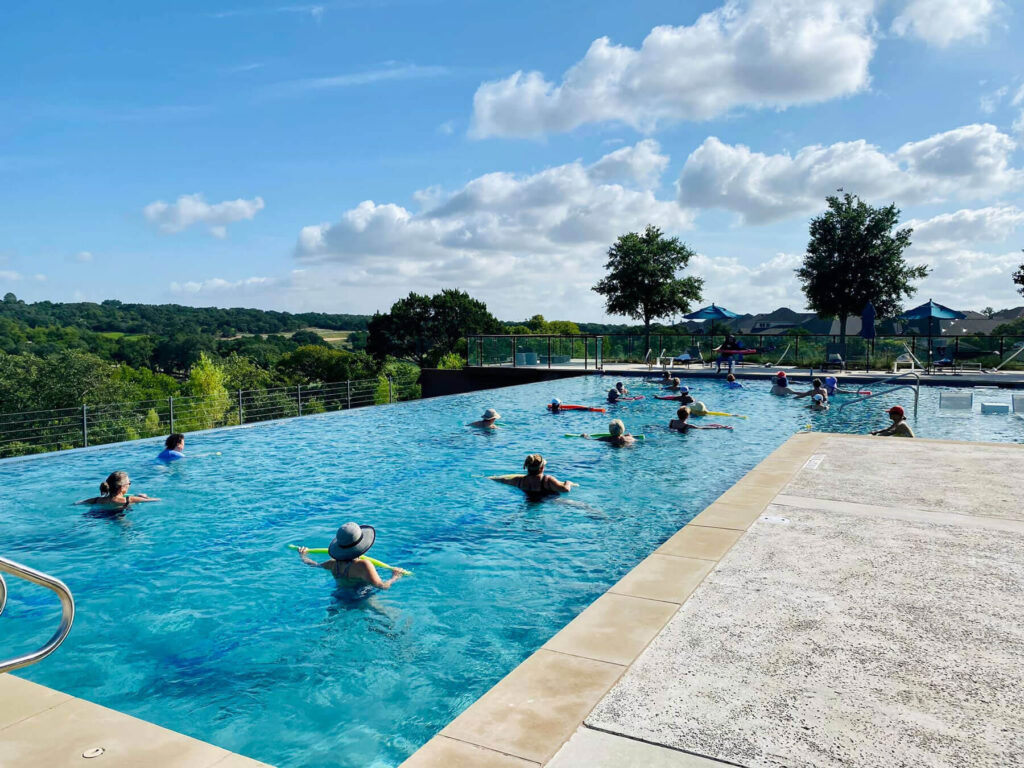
(65, 428)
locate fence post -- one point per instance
(170, 407)
(796, 355)
(513, 353)
(349, 383)
(241, 413)
(1002, 349)
(85, 425)
(391, 396)
(549, 352)
(298, 393)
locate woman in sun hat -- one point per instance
(899, 426)
(487, 420)
(780, 386)
(351, 542)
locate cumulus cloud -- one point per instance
(973, 160)
(642, 164)
(192, 209)
(943, 22)
(218, 285)
(966, 228)
(759, 54)
(7, 274)
(83, 257)
(751, 287)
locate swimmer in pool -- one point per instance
(556, 405)
(350, 543)
(174, 448)
(115, 492)
(731, 383)
(832, 387)
(781, 385)
(818, 403)
(613, 395)
(698, 408)
(681, 422)
(617, 434)
(672, 383)
(535, 482)
(817, 388)
(683, 397)
(487, 420)
(899, 426)
(621, 388)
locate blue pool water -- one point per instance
(194, 615)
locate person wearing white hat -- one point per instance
(487, 420)
(818, 403)
(346, 549)
(556, 405)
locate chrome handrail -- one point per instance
(916, 386)
(67, 616)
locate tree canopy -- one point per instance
(1018, 278)
(854, 257)
(642, 280)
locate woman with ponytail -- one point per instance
(114, 492)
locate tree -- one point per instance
(1018, 278)
(988, 312)
(305, 338)
(854, 257)
(421, 329)
(642, 280)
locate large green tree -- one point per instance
(643, 279)
(854, 256)
(421, 329)
(1018, 278)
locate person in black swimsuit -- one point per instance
(346, 550)
(535, 483)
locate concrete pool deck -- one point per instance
(852, 601)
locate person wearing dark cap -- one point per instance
(899, 426)
(346, 550)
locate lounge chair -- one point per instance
(691, 355)
(942, 358)
(835, 357)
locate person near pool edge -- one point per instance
(816, 389)
(351, 542)
(535, 482)
(724, 349)
(115, 492)
(174, 448)
(621, 388)
(731, 383)
(899, 426)
(818, 403)
(617, 434)
(780, 386)
(487, 420)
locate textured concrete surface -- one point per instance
(967, 478)
(830, 639)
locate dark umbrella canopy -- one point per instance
(867, 321)
(711, 313)
(930, 309)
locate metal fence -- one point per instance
(65, 428)
(804, 351)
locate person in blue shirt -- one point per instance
(174, 448)
(731, 383)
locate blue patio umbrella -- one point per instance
(867, 321)
(932, 311)
(711, 313)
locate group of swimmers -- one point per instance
(114, 491)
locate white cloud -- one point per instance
(755, 287)
(759, 54)
(966, 228)
(989, 101)
(219, 285)
(7, 274)
(973, 160)
(640, 164)
(192, 209)
(83, 257)
(943, 22)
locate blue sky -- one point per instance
(226, 153)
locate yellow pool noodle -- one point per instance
(720, 413)
(378, 563)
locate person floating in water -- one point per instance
(816, 389)
(899, 426)
(673, 383)
(781, 385)
(535, 482)
(487, 420)
(697, 408)
(621, 388)
(350, 543)
(681, 423)
(833, 388)
(174, 448)
(613, 395)
(556, 405)
(818, 403)
(617, 434)
(683, 397)
(115, 492)
(731, 383)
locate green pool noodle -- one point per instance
(606, 434)
(378, 563)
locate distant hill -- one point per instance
(169, 319)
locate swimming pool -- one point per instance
(193, 615)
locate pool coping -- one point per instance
(526, 718)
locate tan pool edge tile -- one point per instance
(664, 577)
(21, 699)
(446, 752)
(700, 541)
(532, 711)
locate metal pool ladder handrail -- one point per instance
(67, 608)
(916, 386)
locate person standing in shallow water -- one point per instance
(617, 434)
(487, 421)
(899, 426)
(350, 543)
(174, 448)
(535, 482)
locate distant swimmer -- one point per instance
(115, 492)
(487, 420)
(817, 388)
(535, 482)
(350, 543)
(673, 383)
(833, 388)
(681, 423)
(617, 434)
(899, 426)
(781, 385)
(174, 448)
(613, 395)
(621, 388)
(818, 403)
(697, 408)
(556, 405)
(683, 397)
(731, 383)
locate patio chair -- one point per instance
(907, 358)
(691, 355)
(942, 357)
(835, 357)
